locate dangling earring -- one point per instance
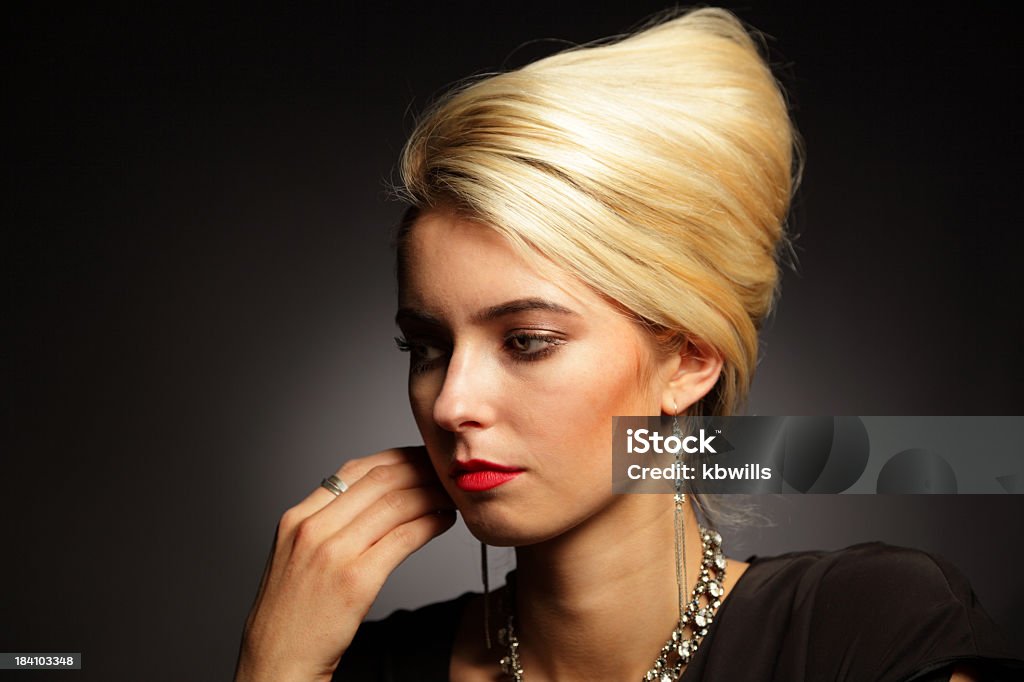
(682, 579)
(486, 575)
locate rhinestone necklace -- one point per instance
(695, 617)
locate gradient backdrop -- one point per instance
(200, 290)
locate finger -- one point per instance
(378, 482)
(396, 546)
(393, 510)
(328, 519)
(352, 471)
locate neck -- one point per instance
(608, 586)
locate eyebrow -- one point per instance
(488, 314)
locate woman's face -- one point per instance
(514, 377)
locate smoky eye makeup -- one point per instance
(530, 346)
(519, 346)
(522, 330)
(423, 354)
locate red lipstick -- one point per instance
(476, 475)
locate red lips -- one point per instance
(478, 474)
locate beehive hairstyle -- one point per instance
(656, 168)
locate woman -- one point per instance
(595, 234)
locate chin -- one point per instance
(512, 530)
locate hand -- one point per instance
(330, 559)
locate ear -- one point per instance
(689, 375)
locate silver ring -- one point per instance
(334, 484)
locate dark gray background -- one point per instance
(200, 291)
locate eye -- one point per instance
(422, 354)
(532, 346)
(527, 344)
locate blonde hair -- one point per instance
(657, 169)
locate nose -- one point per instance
(466, 400)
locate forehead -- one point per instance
(449, 259)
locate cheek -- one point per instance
(616, 383)
(579, 402)
(423, 392)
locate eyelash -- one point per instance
(551, 344)
(407, 347)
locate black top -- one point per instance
(868, 612)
